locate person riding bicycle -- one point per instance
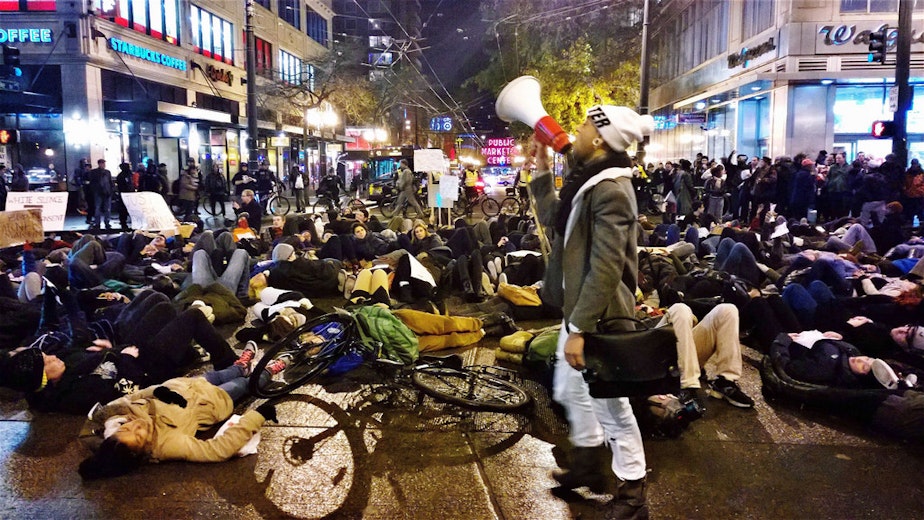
(471, 182)
(331, 186)
(266, 180)
(407, 188)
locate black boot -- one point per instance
(630, 502)
(584, 471)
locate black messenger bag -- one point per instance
(631, 363)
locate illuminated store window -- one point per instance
(211, 35)
(294, 71)
(158, 19)
(28, 5)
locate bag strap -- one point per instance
(627, 278)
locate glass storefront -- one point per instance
(855, 109)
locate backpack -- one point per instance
(399, 343)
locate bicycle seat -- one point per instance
(450, 361)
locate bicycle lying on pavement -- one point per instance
(309, 351)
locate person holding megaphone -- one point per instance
(591, 274)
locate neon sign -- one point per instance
(146, 54)
(499, 151)
(29, 35)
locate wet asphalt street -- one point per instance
(358, 447)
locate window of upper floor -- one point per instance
(158, 19)
(211, 35)
(290, 12)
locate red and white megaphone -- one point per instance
(520, 101)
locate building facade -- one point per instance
(773, 77)
(128, 80)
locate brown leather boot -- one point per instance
(630, 502)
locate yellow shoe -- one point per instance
(516, 342)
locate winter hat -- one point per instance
(894, 207)
(620, 126)
(23, 371)
(807, 162)
(282, 252)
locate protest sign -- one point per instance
(19, 227)
(53, 206)
(150, 212)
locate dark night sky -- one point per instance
(455, 37)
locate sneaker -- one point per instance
(693, 407)
(722, 388)
(348, 285)
(492, 271)
(277, 365)
(884, 374)
(246, 358)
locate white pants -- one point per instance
(716, 335)
(595, 421)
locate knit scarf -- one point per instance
(579, 175)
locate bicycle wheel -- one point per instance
(510, 206)
(323, 205)
(279, 205)
(356, 204)
(388, 206)
(459, 206)
(304, 354)
(469, 388)
(490, 207)
(206, 201)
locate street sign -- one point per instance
(893, 99)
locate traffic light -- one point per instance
(878, 46)
(10, 67)
(883, 129)
(8, 136)
(10, 56)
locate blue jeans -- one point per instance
(233, 381)
(236, 275)
(735, 258)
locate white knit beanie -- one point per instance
(620, 126)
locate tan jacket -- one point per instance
(175, 427)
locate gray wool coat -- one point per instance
(588, 267)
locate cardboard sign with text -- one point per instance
(19, 227)
(150, 212)
(53, 206)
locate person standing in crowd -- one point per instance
(407, 188)
(19, 181)
(714, 189)
(75, 198)
(3, 189)
(594, 226)
(803, 190)
(101, 186)
(242, 180)
(189, 185)
(124, 184)
(684, 191)
(838, 187)
(763, 187)
(217, 190)
(58, 179)
(297, 184)
(152, 180)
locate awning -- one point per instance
(161, 108)
(12, 102)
